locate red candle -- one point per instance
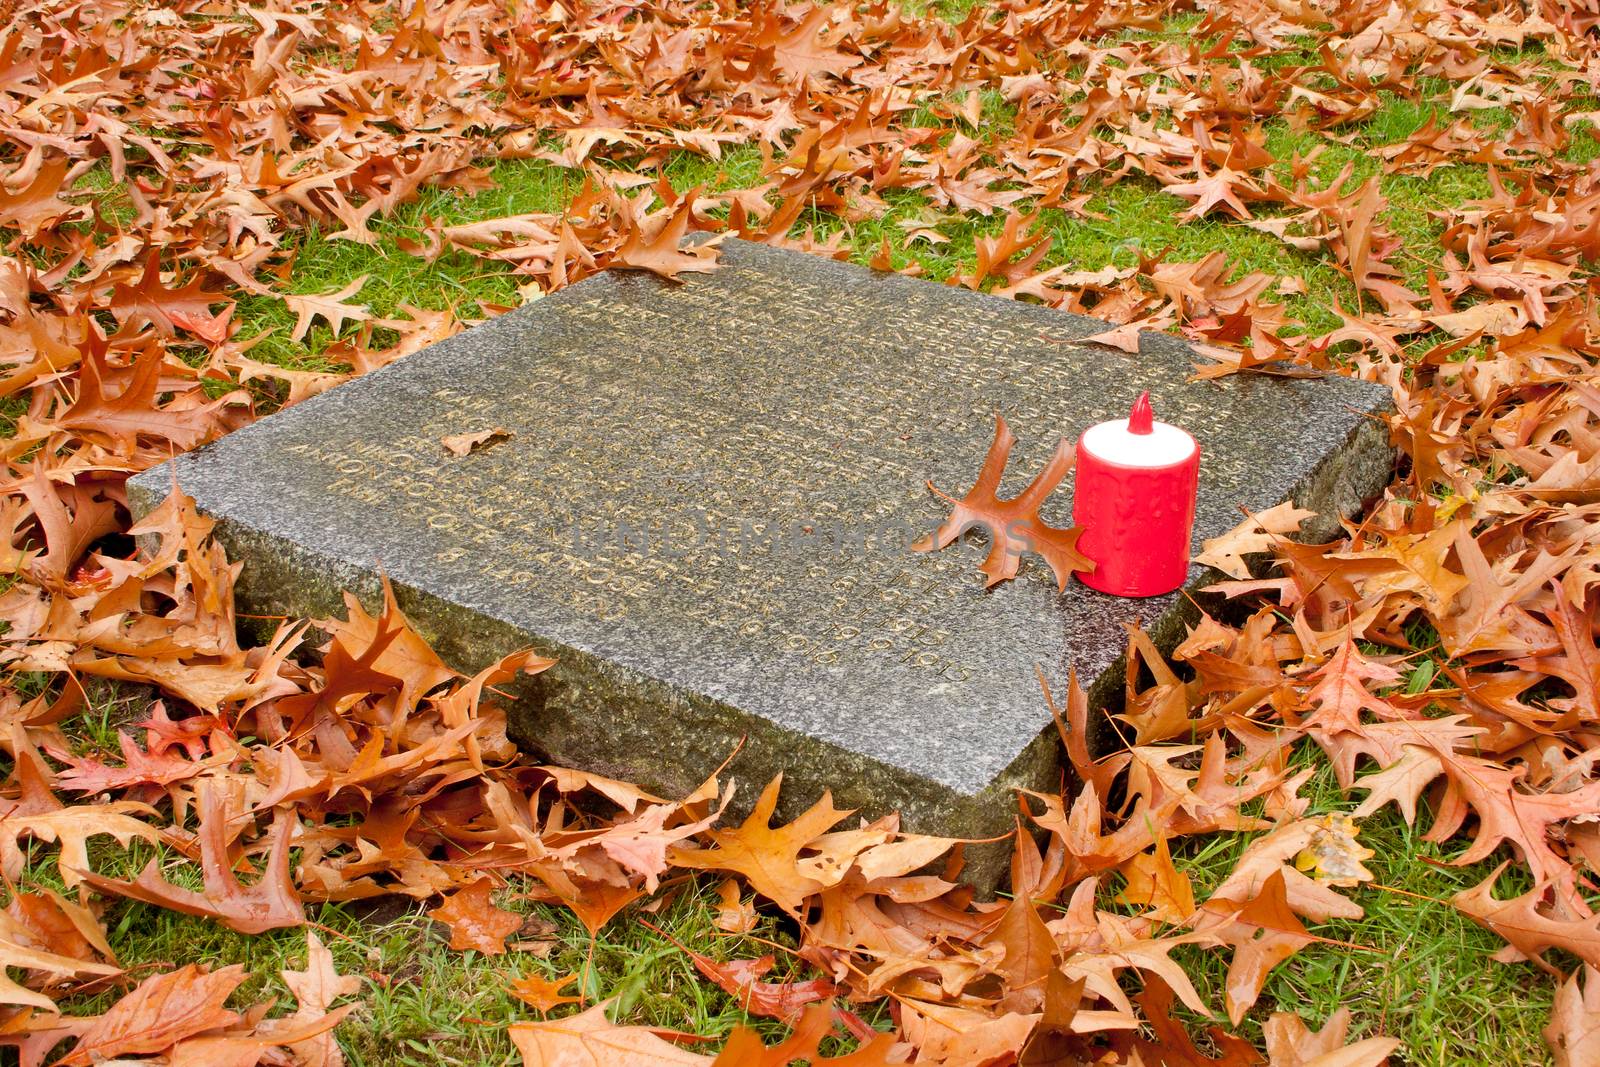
(1134, 496)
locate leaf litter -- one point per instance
(160, 166)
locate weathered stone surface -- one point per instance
(705, 512)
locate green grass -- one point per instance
(1423, 973)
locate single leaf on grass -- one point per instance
(474, 920)
(73, 827)
(1014, 525)
(537, 991)
(741, 979)
(329, 306)
(1529, 931)
(269, 904)
(589, 1039)
(767, 857)
(1290, 1043)
(315, 989)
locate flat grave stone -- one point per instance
(705, 510)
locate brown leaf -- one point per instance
(163, 1010)
(463, 443)
(1573, 1032)
(315, 989)
(543, 993)
(474, 921)
(1014, 525)
(768, 857)
(270, 904)
(1257, 533)
(591, 1038)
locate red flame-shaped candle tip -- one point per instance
(1141, 419)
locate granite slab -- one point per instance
(705, 510)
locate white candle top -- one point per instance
(1163, 446)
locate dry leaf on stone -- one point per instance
(462, 444)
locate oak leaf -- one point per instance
(315, 989)
(269, 904)
(656, 244)
(1573, 1032)
(1014, 525)
(590, 1039)
(331, 307)
(462, 444)
(163, 1010)
(1290, 1043)
(1256, 534)
(767, 857)
(543, 993)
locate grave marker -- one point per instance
(704, 512)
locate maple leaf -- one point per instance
(474, 920)
(767, 857)
(1014, 525)
(331, 307)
